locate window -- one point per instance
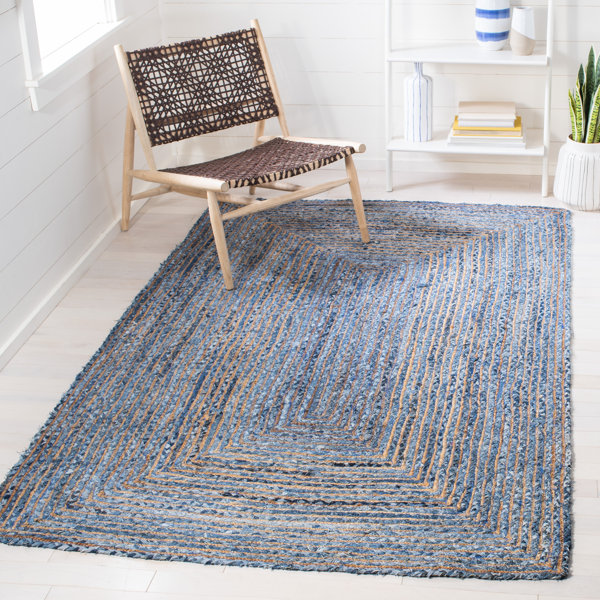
(60, 23)
(55, 32)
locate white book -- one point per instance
(479, 111)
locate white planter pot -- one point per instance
(492, 23)
(418, 106)
(577, 181)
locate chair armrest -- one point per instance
(188, 181)
(357, 146)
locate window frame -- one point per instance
(80, 56)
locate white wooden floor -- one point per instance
(32, 383)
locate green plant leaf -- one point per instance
(579, 117)
(573, 116)
(580, 85)
(592, 128)
(597, 75)
(581, 77)
(590, 82)
(596, 138)
(591, 64)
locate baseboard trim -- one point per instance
(56, 294)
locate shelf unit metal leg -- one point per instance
(389, 171)
(548, 95)
(545, 160)
(389, 162)
(545, 177)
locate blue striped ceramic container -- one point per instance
(492, 23)
(418, 106)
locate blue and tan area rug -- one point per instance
(401, 407)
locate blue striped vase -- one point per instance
(418, 106)
(492, 23)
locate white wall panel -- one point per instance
(59, 170)
(21, 312)
(52, 148)
(6, 5)
(289, 20)
(39, 208)
(13, 92)
(55, 241)
(10, 44)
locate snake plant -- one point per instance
(584, 102)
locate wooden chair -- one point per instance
(183, 90)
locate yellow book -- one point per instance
(516, 130)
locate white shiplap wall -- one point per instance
(328, 58)
(60, 172)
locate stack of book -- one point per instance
(487, 124)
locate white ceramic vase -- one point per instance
(577, 181)
(522, 31)
(418, 106)
(492, 23)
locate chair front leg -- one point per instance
(219, 235)
(128, 150)
(357, 199)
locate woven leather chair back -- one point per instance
(201, 86)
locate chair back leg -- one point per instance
(219, 235)
(128, 150)
(357, 199)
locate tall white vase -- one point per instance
(492, 23)
(418, 106)
(577, 180)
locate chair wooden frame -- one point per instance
(215, 190)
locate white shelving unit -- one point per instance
(537, 141)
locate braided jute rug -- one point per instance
(400, 407)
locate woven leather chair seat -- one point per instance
(274, 160)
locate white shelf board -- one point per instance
(439, 144)
(467, 54)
